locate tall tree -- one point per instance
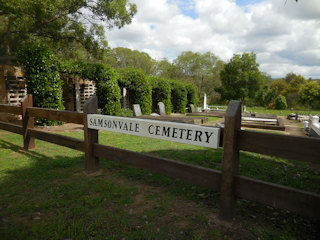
(202, 70)
(124, 57)
(309, 94)
(240, 78)
(291, 92)
(61, 22)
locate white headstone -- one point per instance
(136, 110)
(161, 109)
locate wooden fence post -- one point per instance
(27, 122)
(230, 161)
(90, 137)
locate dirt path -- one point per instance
(292, 128)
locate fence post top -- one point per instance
(26, 97)
(91, 100)
(233, 108)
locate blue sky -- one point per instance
(285, 37)
(246, 2)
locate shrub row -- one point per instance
(42, 73)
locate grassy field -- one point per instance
(45, 195)
(282, 112)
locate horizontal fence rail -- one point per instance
(58, 139)
(290, 147)
(10, 109)
(191, 173)
(11, 127)
(227, 181)
(50, 114)
(278, 196)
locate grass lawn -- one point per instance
(282, 112)
(45, 195)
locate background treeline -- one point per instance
(75, 31)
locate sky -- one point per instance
(285, 35)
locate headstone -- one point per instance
(136, 110)
(161, 109)
(191, 108)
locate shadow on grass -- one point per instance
(48, 197)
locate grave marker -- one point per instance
(136, 110)
(161, 109)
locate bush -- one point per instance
(108, 90)
(280, 102)
(41, 70)
(192, 95)
(161, 92)
(178, 97)
(138, 88)
(125, 112)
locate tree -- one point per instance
(276, 88)
(291, 92)
(61, 22)
(124, 57)
(240, 78)
(309, 93)
(202, 70)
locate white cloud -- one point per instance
(286, 37)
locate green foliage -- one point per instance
(192, 95)
(178, 97)
(108, 90)
(309, 93)
(292, 91)
(202, 70)
(138, 87)
(161, 92)
(124, 57)
(240, 78)
(280, 102)
(125, 112)
(61, 24)
(41, 71)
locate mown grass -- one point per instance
(45, 195)
(286, 112)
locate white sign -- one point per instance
(170, 131)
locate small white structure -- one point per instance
(314, 126)
(205, 106)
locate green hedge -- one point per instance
(108, 90)
(192, 95)
(161, 92)
(178, 97)
(138, 88)
(41, 70)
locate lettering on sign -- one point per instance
(170, 131)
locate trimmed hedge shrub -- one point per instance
(108, 90)
(192, 95)
(138, 88)
(41, 70)
(178, 97)
(281, 102)
(161, 92)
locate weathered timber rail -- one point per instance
(227, 181)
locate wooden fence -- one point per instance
(227, 181)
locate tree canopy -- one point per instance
(240, 78)
(61, 23)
